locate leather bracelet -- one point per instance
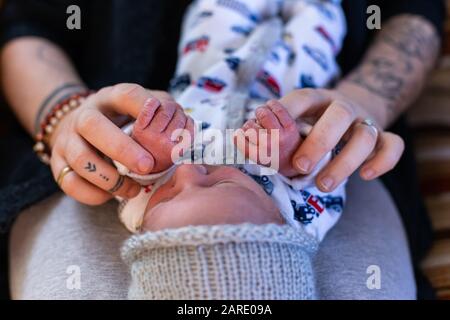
(51, 121)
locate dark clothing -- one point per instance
(135, 41)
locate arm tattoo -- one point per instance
(411, 38)
(382, 81)
(397, 64)
(48, 55)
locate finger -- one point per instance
(185, 137)
(124, 98)
(355, 152)
(90, 166)
(246, 125)
(252, 124)
(163, 116)
(75, 186)
(324, 136)
(387, 155)
(251, 129)
(281, 113)
(161, 95)
(306, 102)
(266, 118)
(146, 115)
(190, 127)
(254, 141)
(188, 132)
(246, 147)
(99, 131)
(178, 121)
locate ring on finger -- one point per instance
(118, 184)
(371, 124)
(64, 171)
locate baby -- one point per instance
(228, 195)
(235, 56)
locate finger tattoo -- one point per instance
(90, 167)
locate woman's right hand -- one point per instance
(89, 132)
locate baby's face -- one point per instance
(209, 195)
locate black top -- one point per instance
(135, 41)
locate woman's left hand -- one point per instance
(337, 118)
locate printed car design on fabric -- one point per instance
(198, 44)
(317, 55)
(263, 181)
(269, 82)
(233, 62)
(239, 7)
(211, 84)
(307, 81)
(326, 35)
(314, 206)
(243, 30)
(181, 82)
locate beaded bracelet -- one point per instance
(51, 121)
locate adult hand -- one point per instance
(91, 131)
(336, 118)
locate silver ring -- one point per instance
(370, 123)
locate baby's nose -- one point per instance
(188, 175)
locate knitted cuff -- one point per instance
(221, 262)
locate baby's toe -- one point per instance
(252, 130)
(281, 113)
(267, 118)
(146, 114)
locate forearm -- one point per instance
(32, 71)
(394, 70)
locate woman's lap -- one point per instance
(58, 242)
(368, 241)
(55, 239)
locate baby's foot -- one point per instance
(154, 129)
(272, 116)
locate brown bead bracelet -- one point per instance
(51, 121)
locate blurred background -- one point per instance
(430, 120)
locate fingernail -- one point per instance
(259, 111)
(151, 102)
(272, 103)
(303, 164)
(368, 173)
(145, 116)
(327, 183)
(145, 164)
